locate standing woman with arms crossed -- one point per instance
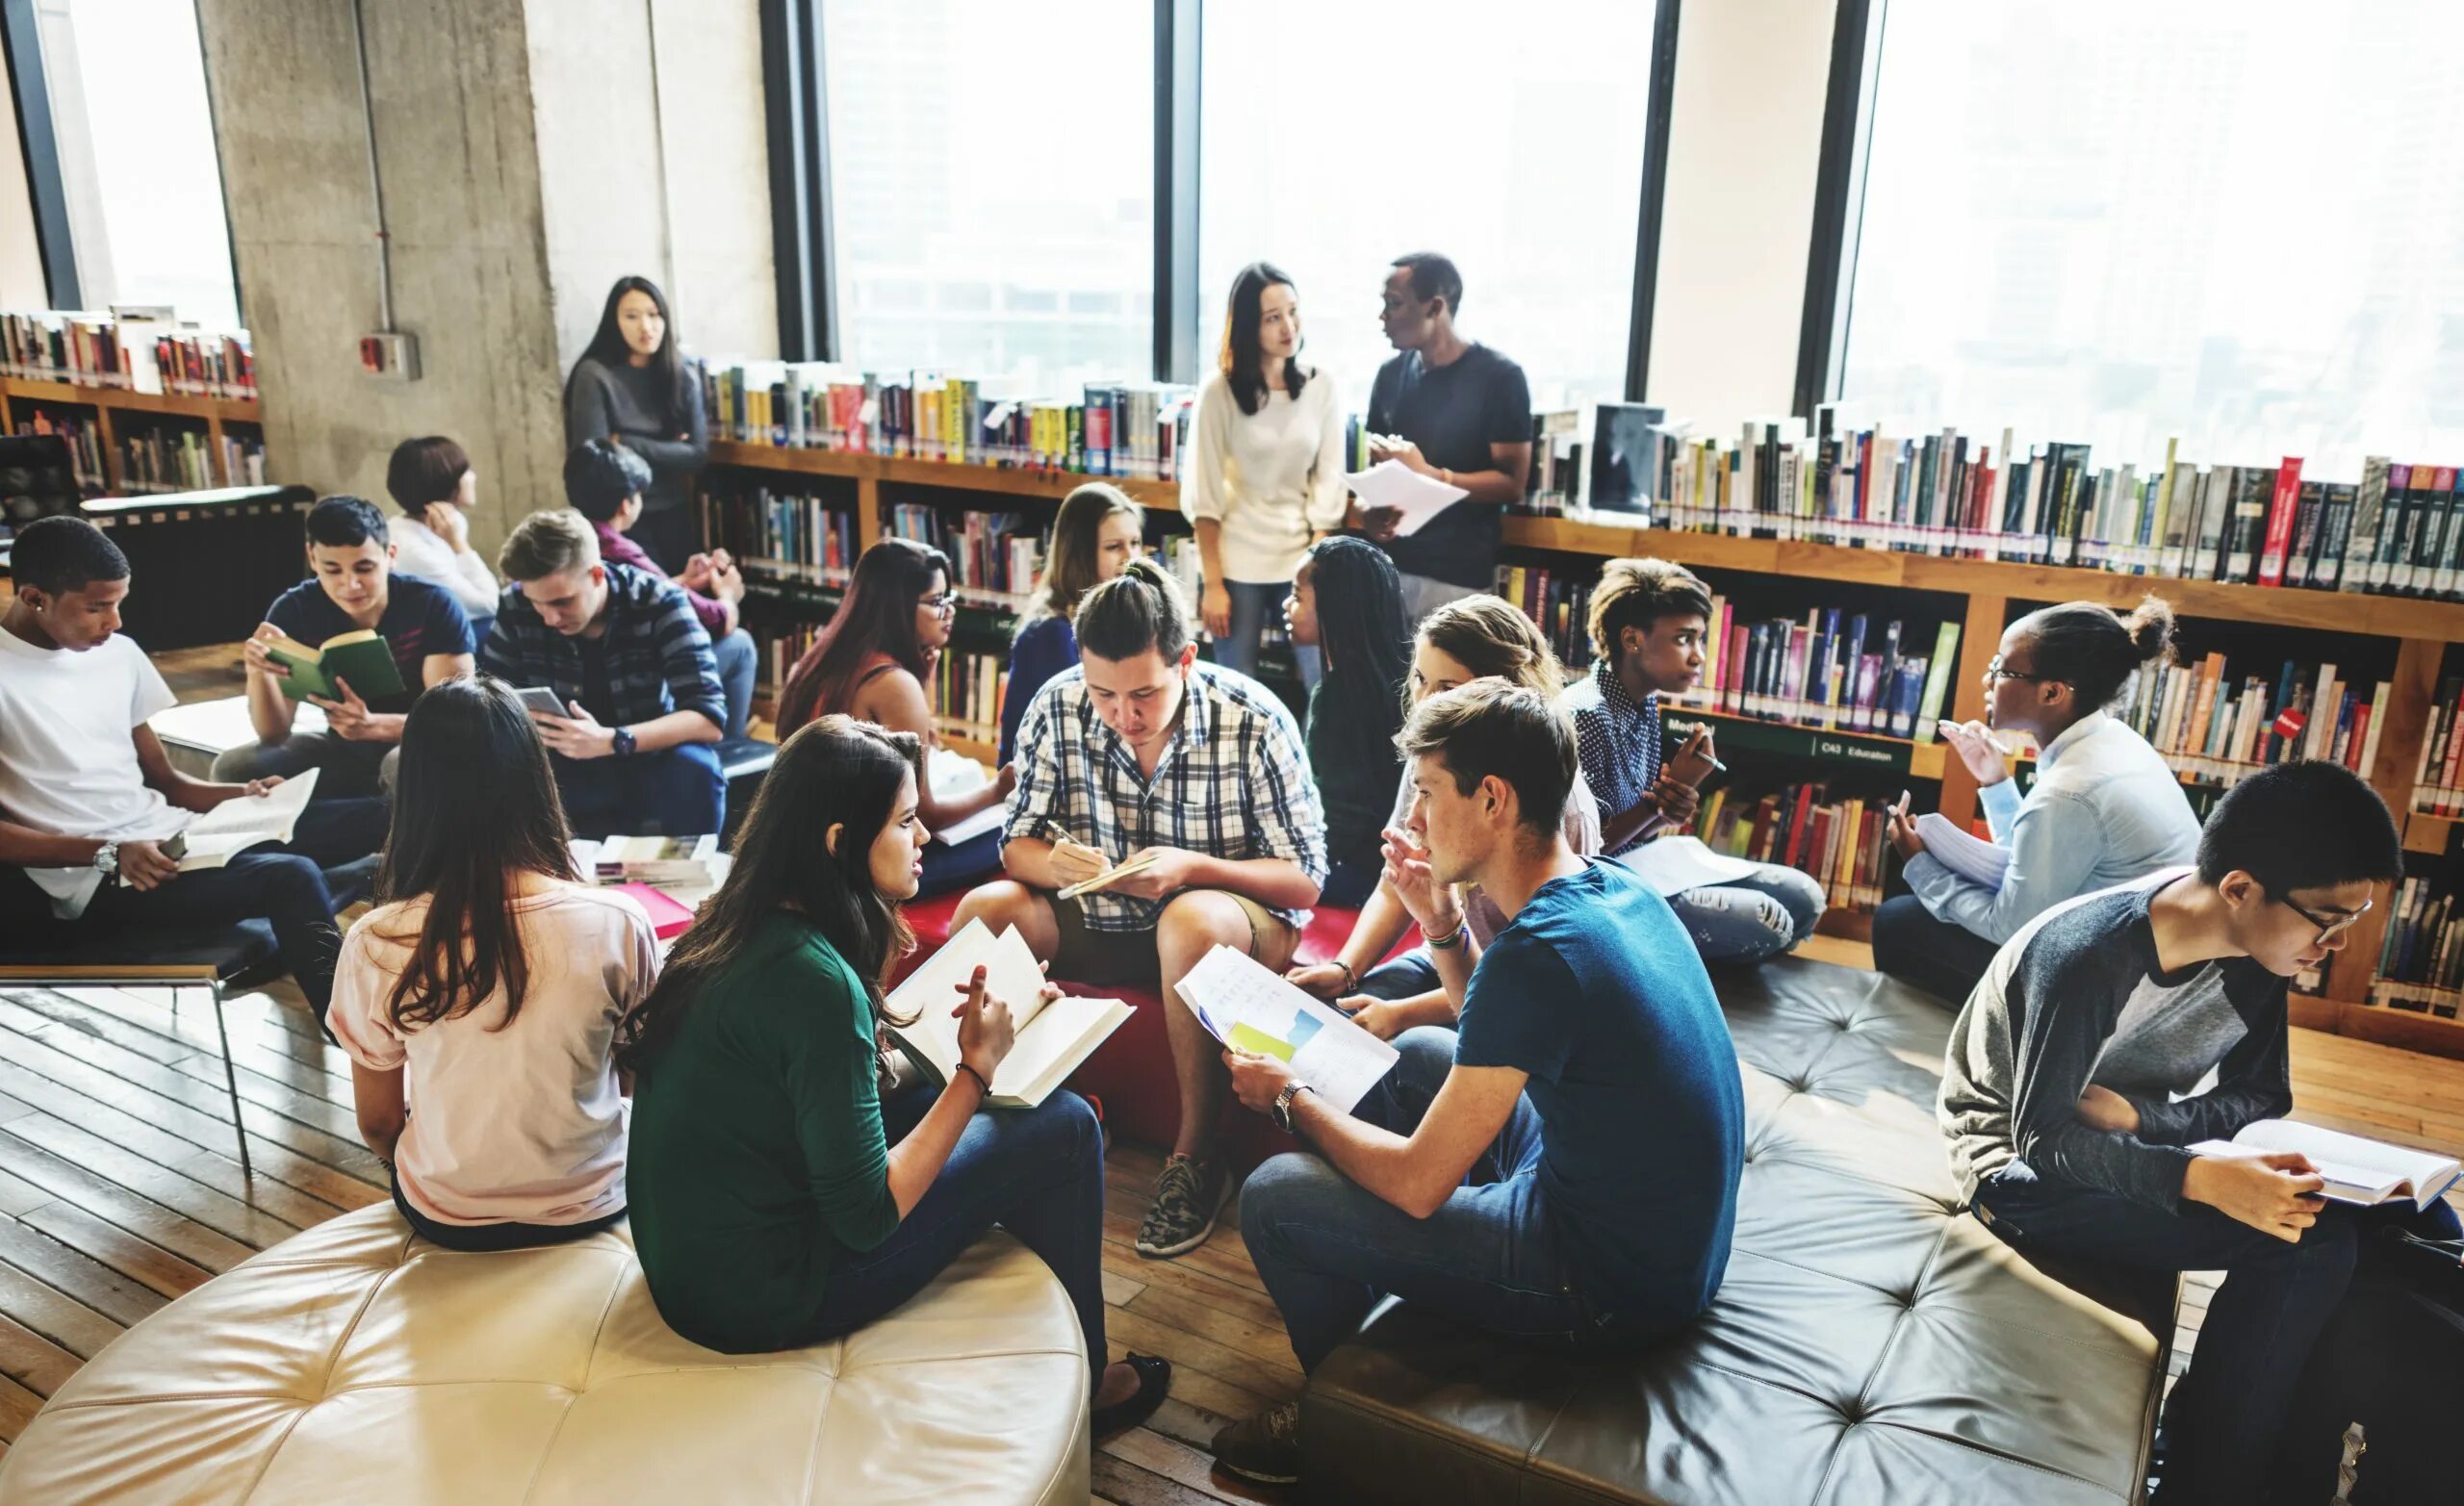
(1094, 537)
(632, 386)
(1266, 475)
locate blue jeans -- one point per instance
(1408, 976)
(1253, 607)
(737, 661)
(960, 867)
(674, 792)
(1328, 1248)
(2227, 1413)
(1037, 1172)
(1348, 886)
(1946, 960)
(1757, 917)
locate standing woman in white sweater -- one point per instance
(1266, 467)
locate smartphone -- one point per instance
(535, 699)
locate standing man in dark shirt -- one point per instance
(1457, 412)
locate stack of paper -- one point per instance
(1250, 1008)
(1391, 483)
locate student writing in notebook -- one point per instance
(2105, 808)
(2072, 1097)
(780, 1197)
(89, 800)
(1649, 620)
(352, 586)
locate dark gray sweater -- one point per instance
(2037, 1031)
(634, 401)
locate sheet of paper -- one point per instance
(237, 824)
(1980, 863)
(1674, 864)
(1251, 1008)
(1391, 483)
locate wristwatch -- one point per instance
(1282, 1114)
(107, 859)
(624, 736)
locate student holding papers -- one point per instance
(1567, 1172)
(1649, 619)
(780, 1197)
(90, 808)
(2105, 808)
(2064, 1100)
(1165, 807)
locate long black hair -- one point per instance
(837, 772)
(1367, 639)
(877, 617)
(1243, 363)
(474, 804)
(608, 345)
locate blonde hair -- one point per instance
(1071, 573)
(1491, 637)
(549, 543)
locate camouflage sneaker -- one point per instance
(1265, 1449)
(1188, 1196)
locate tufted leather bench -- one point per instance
(1872, 1343)
(355, 1362)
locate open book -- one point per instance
(1980, 863)
(362, 657)
(2357, 1171)
(235, 825)
(1052, 1038)
(1250, 1008)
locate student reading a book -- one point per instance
(1193, 781)
(430, 480)
(1347, 605)
(2071, 1096)
(1266, 474)
(633, 385)
(2105, 807)
(353, 587)
(873, 662)
(780, 1197)
(1094, 536)
(1450, 409)
(625, 655)
(606, 482)
(1566, 1170)
(1475, 638)
(89, 800)
(490, 974)
(1648, 622)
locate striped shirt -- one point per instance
(1619, 741)
(1232, 783)
(658, 658)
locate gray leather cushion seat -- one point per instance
(1872, 1343)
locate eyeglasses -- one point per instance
(943, 604)
(1995, 670)
(2329, 926)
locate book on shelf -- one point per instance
(163, 459)
(1553, 486)
(1624, 437)
(2357, 1169)
(777, 528)
(1838, 841)
(2421, 958)
(133, 350)
(966, 691)
(2438, 770)
(84, 441)
(1837, 671)
(1051, 1037)
(2214, 727)
(995, 556)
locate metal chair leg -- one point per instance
(231, 1082)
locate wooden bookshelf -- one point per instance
(17, 391)
(2428, 834)
(1991, 589)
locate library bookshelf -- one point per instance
(2422, 629)
(116, 406)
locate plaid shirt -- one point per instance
(1619, 741)
(658, 657)
(1233, 783)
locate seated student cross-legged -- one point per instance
(783, 1193)
(88, 798)
(1142, 754)
(355, 587)
(625, 655)
(2064, 1100)
(1566, 1173)
(490, 975)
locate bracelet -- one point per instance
(1351, 979)
(980, 1080)
(1451, 939)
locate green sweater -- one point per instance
(756, 1150)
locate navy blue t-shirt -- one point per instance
(1596, 991)
(1453, 413)
(420, 619)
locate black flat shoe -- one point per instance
(1154, 1380)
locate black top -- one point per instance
(419, 619)
(1453, 413)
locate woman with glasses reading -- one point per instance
(2105, 808)
(874, 662)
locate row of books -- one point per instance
(2211, 729)
(2421, 960)
(786, 532)
(968, 686)
(1134, 429)
(147, 354)
(1559, 602)
(2438, 779)
(1840, 842)
(83, 437)
(1839, 672)
(996, 556)
(166, 460)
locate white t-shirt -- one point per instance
(68, 756)
(466, 578)
(519, 1123)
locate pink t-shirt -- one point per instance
(519, 1124)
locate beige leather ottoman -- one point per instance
(355, 1362)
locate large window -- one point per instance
(1337, 137)
(991, 168)
(2110, 220)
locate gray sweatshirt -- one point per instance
(634, 401)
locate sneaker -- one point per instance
(1188, 1196)
(1265, 1449)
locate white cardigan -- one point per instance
(1268, 478)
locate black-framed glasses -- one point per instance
(1995, 670)
(2329, 926)
(944, 605)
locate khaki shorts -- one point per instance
(1116, 957)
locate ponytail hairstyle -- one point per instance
(2094, 649)
(1138, 609)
